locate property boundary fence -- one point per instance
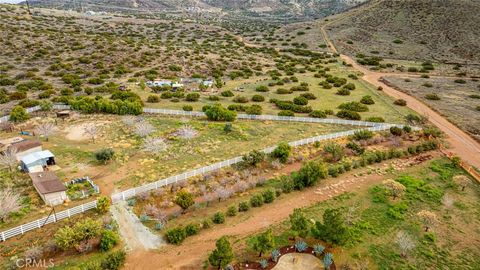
(36, 224)
(129, 193)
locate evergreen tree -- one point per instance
(222, 255)
(333, 229)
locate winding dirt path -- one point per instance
(461, 144)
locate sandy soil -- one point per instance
(302, 262)
(77, 132)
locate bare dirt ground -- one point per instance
(298, 261)
(461, 144)
(134, 234)
(192, 253)
(77, 132)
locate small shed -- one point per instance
(26, 147)
(31, 162)
(49, 187)
(5, 143)
(63, 114)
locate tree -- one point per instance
(9, 202)
(309, 174)
(184, 199)
(282, 152)
(9, 158)
(104, 155)
(427, 218)
(154, 145)
(395, 188)
(404, 242)
(333, 228)
(103, 204)
(299, 223)
(462, 180)
(263, 242)
(45, 130)
(78, 235)
(18, 114)
(144, 128)
(222, 255)
(219, 113)
(186, 132)
(108, 240)
(91, 130)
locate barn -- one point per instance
(49, 187)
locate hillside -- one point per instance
(312, 8)
(411, 29)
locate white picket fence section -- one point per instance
(36, 224)
(129, 193)
(270, 118)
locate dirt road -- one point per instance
(461, 144)
(193, 252)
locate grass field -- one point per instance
(326, 99)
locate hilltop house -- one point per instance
(36, 162)
(49, 187)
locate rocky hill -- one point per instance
(446, 30)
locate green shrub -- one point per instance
(232, 210)
(300, 100)
(254, 109)
(318, 114)
(240, 99)
(375, 119)
(268, 195)
(282, 152)
(262, 88)
(349, 115)
(219, 113)
(353, 106)
(192, 229)
(218, 218)
(367, 100)
(108, 240)
(227, 93)
(153, 99)
(400, 102)
(286, 113)
(283, 91)
(308, 175)
(175, 235)
(18, 114)
(258, 98)
(105, 155)
(253, 158)
(432, 96)
(309, 96)
(187, 108)
(362, 135)
(343, 92)
(256, 200)
(214, 98)
(192, 97)
(243, 206)
(396, 131)
(114, 260)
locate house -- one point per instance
(36, 162)
(159, 83)
(49, 187)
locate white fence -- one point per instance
(129, 193)
(270, 117)
(36, 224)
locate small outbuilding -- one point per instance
(49, 187)
(63, 114)
(36, 162)
(26, 147)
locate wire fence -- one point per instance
(129, 193)
(36, 224)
